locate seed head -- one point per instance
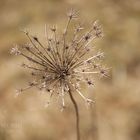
(61, 64)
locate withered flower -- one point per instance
(61, 65)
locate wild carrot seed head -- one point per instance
(63, 64)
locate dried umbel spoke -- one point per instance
(60, 64)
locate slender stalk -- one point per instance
(77, 114)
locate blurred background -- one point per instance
(116, 114)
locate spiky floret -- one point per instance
(62, 64)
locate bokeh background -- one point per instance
(116, 114)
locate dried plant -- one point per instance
(61, 65)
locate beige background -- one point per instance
(116, 115)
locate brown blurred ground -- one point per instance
(116, 115)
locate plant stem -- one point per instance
(77, 114)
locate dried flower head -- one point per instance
(62, 64)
